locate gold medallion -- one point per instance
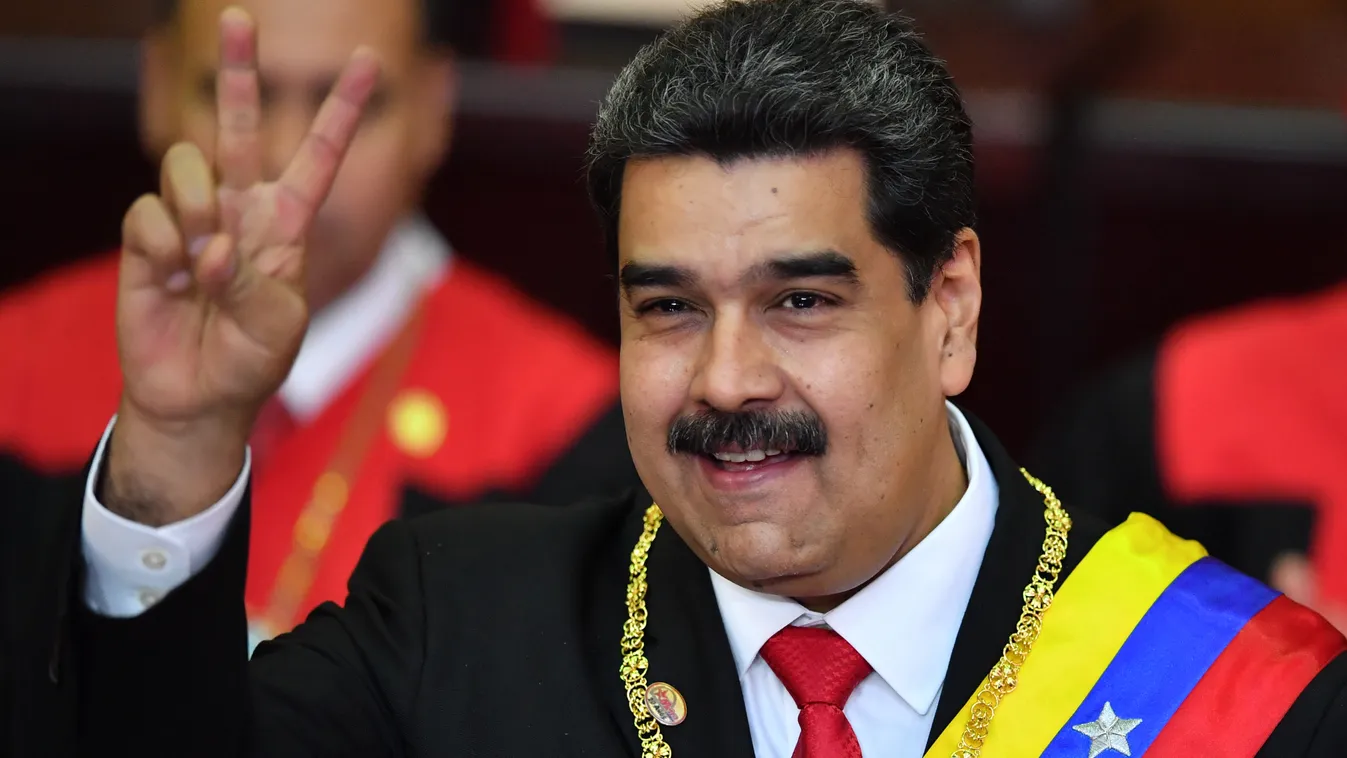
(666, 704)
(418, 422)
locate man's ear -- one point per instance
(158, 78)
(957, 292)
(436, 103)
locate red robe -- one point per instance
(498, 398)
(1252, 404)
(1233, 430)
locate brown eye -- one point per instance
(804, 301)
(665, 306)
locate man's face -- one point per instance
(758, 308)
(302, 47)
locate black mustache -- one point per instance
(708, 432)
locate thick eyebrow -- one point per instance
(821, 264)
(646, 276)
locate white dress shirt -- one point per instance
(130, 565)
(903, 623)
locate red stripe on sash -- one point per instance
(1250, 687)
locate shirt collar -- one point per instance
(905, 621)
(345, 335)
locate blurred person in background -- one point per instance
(422, 382)
(1233, 430)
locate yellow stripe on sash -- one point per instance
(1092, 614)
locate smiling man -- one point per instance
(851, 565)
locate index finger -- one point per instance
(309, 176)
(238, 110)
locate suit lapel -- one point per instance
(689, 649)
(685, 642)
(1009, 563)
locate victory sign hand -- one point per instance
(211, 307)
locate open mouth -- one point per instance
(749, 460)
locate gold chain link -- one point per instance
(634, 663)
(1000, 682)
(1004, 676)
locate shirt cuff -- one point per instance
(132, 566)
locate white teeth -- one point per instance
(752, 456)
(731, 457)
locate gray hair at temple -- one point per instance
(768, 78)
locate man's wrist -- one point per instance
(159, 473)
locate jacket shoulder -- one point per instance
(512, 565)
(491, 533)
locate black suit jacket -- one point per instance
(475, 632)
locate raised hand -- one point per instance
(211, 308)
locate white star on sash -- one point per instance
(1108, 732)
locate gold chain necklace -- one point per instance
(1000, 682)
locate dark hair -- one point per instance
(758, 78)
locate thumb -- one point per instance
(269, 310)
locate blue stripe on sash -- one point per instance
(1171, 648)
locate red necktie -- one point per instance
(819, 669)
(274, 424)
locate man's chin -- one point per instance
(779, 572)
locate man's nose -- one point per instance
(737, 367)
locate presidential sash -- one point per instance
(1152, 648)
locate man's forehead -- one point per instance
(726, 222)
(313, 34)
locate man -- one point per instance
(423, 380)
(787, 185)
(1231, 430)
